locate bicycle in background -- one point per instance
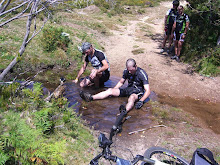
(152, 156)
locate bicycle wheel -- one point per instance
(165, 156)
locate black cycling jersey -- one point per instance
(181, 23)
(96, 59)
(138, 80)
(172, 14)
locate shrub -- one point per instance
(54, 37)
(200, 45)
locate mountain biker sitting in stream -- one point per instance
(138, 88)
(101, 71)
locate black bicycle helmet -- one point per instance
(176, 2)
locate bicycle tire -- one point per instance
(167, 156)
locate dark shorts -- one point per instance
(178, 36)
(125, 92)
(168, 30)
(105, 77)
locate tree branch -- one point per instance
(12, 9)
(4, 8)
(17, 16)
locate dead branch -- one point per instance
(59, 90)
(13, 9)
(3, 8)
(35, 6)
(141, 130)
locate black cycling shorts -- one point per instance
(105, 77)
(124, 92)
(168, 30)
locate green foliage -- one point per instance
(7, 93)
(37, 134)
(34, 94)
(52, 152)
(200, 45)
(42, 120)
(209, 65)
(102, 3)
(20, 140)
(54, 37)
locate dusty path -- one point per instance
(165, 75)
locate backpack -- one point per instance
(203, 156)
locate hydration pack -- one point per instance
(203, 156)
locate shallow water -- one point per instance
(101, 114)
(208, 112)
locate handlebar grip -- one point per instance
(151, 161)
(119, 120)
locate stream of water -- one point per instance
(101, 114)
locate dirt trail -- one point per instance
(165, 75)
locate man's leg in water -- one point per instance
(105, 94)
(131, 100)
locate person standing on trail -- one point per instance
(137, 91)
(168, 23)
(101, 68)
(180, 27)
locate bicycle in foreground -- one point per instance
(152, 156)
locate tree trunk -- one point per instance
(22, 48)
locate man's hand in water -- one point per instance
(76, 80)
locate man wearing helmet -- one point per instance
(180, 27)
(168, 22)
(101, 68)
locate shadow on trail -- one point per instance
(158, 37)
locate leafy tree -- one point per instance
(201, 43)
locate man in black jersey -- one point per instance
(168, 23)
(101, 71)
(137, 90)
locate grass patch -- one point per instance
(138, 51)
